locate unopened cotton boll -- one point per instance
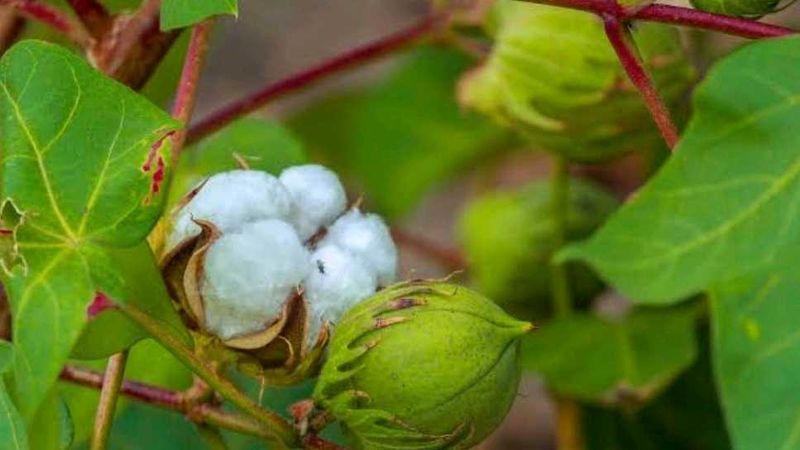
(367, 237)
(318, 197)
(230, 200)
(249, 275)
(338, 280)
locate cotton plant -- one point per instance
(266, 266)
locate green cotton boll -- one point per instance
(421, 365)
(740, 8)
(553, 76)
(509, 239)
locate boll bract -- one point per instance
(266, 266)
(509, 239)
(423, 365)
(553, 76)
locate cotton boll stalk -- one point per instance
(318, 197)
(249, 275)
(367, 237)
(338, 280)
(230, 200)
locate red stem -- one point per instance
(448, 257)
(93, 15)
(619, 37)
(52, 17)
(347, 60)
(145, 393)
(677, 15)
(187, 86)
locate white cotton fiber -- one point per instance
(338, 280)
(367, 237)
(230, 200)
(249, 274)
(318, 197)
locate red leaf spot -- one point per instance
(99, 304)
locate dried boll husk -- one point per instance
(280, 352)
(423, 365)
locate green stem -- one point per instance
(212, 437)
(112, 381)
(559, 198)
(280, 428)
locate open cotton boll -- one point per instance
(318, 196)
(338, 280)
(367, 237)
(231, 199)
(249, 274)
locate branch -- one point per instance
(620, 38)
(11, 25)
(169, 400)
(677, 15)
(52, 17)
(109, 392)
(278, 427)
(93, 15)
(187, 85)
(133, 46)
(347, 60)
(448, 257)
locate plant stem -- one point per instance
(621, 40)
(187, 85)
(93, 15)
(448, 257)
(277, 426)
(559, 198)
(339, 63)
(52, 17)
(677, 15)
(112, 381)
(169, 400)
(212, 437)
(135, 45)
(568, 426)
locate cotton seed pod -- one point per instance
(509, 239)
(553, 76)
(422, 365)
(258, 274)
(741, 8)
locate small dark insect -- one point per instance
(321, 267)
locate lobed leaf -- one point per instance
(725, 203)
(81, 166)
(183, 13)
(757, 358)
(597, 359)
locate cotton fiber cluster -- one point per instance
(280, 235)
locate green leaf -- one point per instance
(183, 13)
(111, 331)
(597, 359)
(80, 164)
(404, 136)
(261, 144)
(6, 356)
(757, 358)
(148, 362)
(52, 427)
(686, 416)
(12, 429)
(725, 203)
